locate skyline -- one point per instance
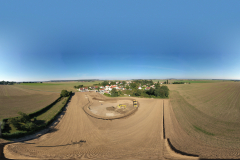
(51, 40)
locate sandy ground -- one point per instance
(79, 136)
(100, 107)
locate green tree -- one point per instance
(150, 91)
(23, 117)
(29, 126)
(64, 93)
(138, 92)
(157, 86)
(133, 85)
(104, 83)
(114, 92)
(127, 87)
(167, 81)
(113, 83)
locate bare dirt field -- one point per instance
(14, 99)
(206, 118)
(77, 135)
(106, 108)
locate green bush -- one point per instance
(23, 117)
(3, 125)
(29, 126)
(64, 93)
(17, 134)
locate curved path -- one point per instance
(77, 135)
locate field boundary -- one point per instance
(37, 134)
(88, 112)
(20, 134)
(169, 144)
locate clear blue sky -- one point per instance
(56, 39)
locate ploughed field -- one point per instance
(209, 118)
(14, 99)
(79, 135)
(200, 119)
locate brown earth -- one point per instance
(204, 119)
(191, 122)
(77, 135)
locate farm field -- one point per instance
(208, 114)
(200, 119)
(14, 99)
(188, 80)
(78, 135)
(55, 87)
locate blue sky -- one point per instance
(56, 39)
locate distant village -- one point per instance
(119, 86)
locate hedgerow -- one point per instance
(30, 127)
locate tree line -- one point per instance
(6, 83)
(104, 83)
(157, 92)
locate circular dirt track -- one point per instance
(107, 108)
(78, 135)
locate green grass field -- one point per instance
(52, 111)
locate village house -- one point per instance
(107, 87)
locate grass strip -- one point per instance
(203, 131)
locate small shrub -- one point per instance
(23, 117)
(30, 126)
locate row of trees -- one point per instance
(104, 83)
(6, 83)
(157, 92)
(181, 82)
(79, 86)
(144, 82)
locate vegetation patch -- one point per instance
(27, 124)
(203, 131)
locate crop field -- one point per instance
(209, 114)
(199, 119)
(188, 80)
(55, 86)
(78, 135)
(14, 99)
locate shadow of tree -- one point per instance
(72, 143)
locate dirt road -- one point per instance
(81, 136)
